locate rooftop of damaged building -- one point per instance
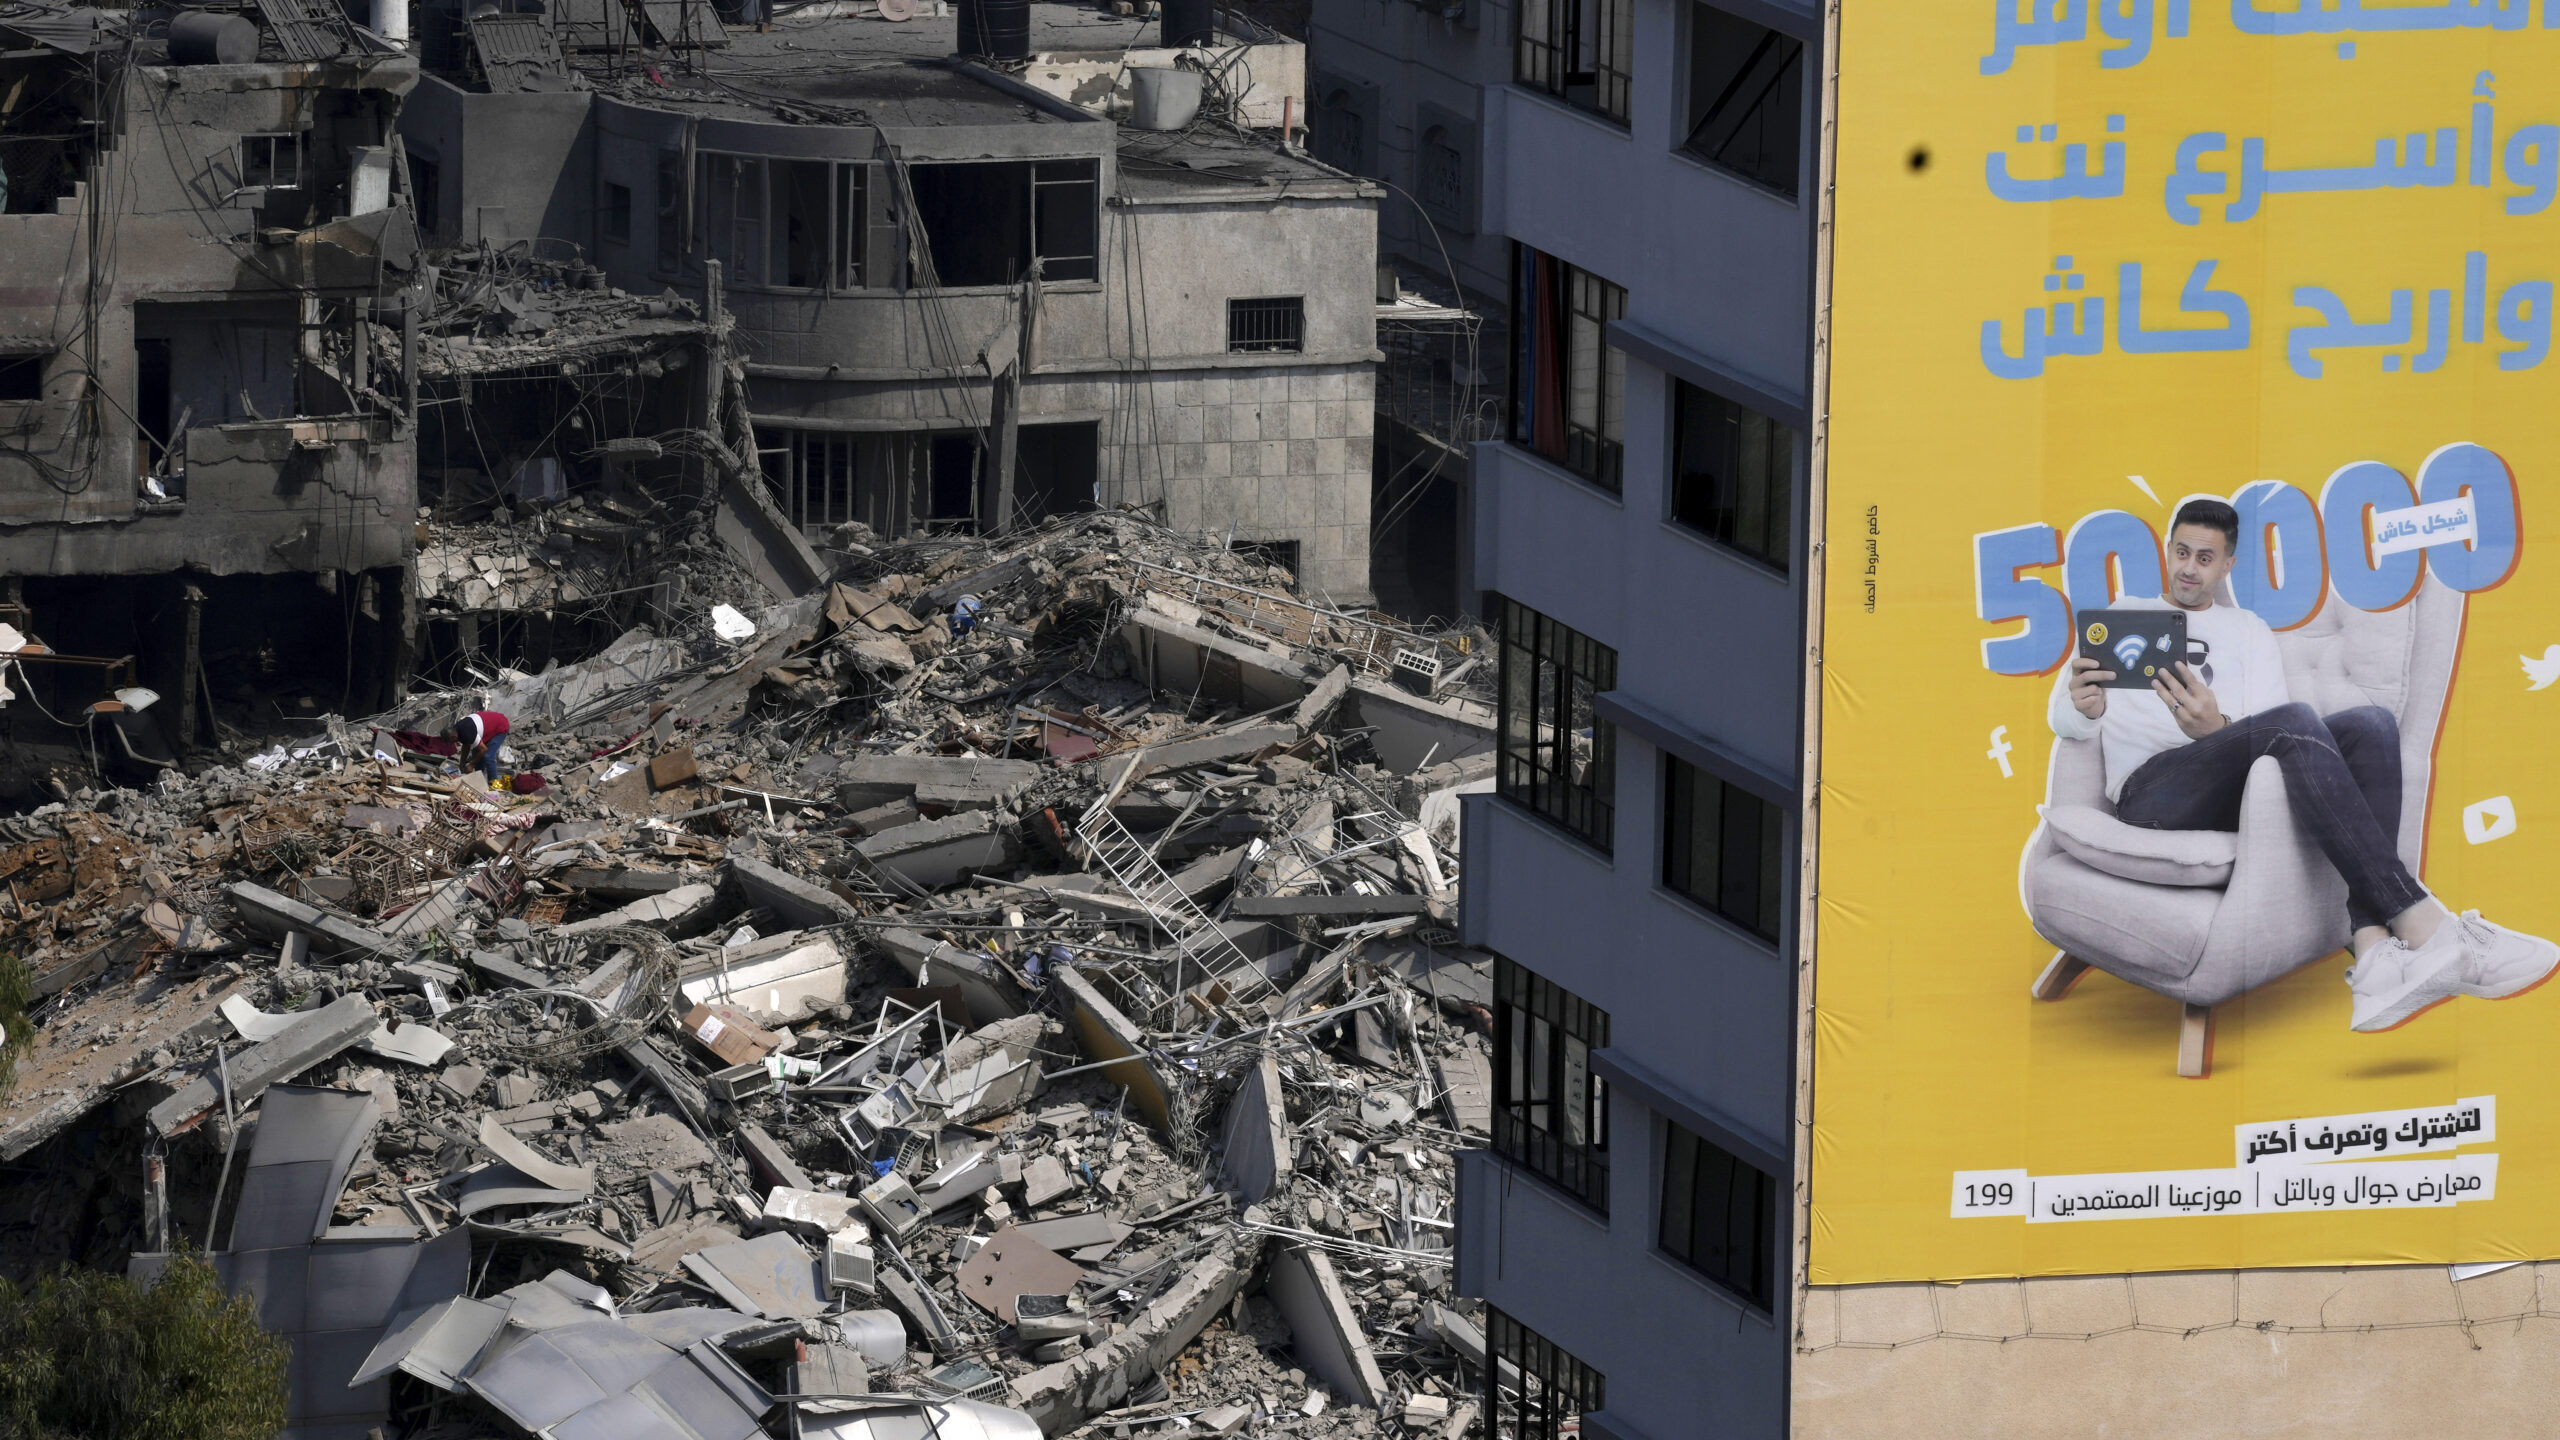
(1012, 984)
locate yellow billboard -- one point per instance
(2191, 630)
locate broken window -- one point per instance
(1552, 1388)
(1721, 847)
(1569, 384)
(985, 222)
(1746, 98)
(617, 213)
(1734, 473)
(1720, 1215)
(1274, 323)
(1580, 51)
(1551, 1110)
(795, 224)
(1559, 758)
(21, 377)
(270, 162)
(811, 473)
(426, 195)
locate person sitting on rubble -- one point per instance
(482, 734)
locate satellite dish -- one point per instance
(897, 9)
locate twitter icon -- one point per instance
(2543, 671)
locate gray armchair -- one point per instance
(2202, 916)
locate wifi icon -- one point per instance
(2129, 650)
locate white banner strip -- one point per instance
(2265, 1190)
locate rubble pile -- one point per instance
(1012, 984)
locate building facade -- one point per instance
(970, 296)
(1635, 519)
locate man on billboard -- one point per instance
(2180, 760)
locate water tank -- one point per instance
(1190, 22)
(996, 29)
(1163, 98)
(200, 37)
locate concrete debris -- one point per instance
(1054, 1025)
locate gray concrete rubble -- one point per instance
(1112, 1089)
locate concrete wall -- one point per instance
(2215, 1356)
(185, 231)
(508, 167)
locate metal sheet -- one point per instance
(502, 1185)
(769, 1275)
(549, 1377)
(307, 1142)
(1009, 1266)
(435, 1344)
(926, 1420)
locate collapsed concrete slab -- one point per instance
(988, 993)
(332, 937)
(792, 900)
(1186, 659)
(1107, 1034)
(1231, 745)
(1301, 1281)
(949, 781)
(681, 912)
(937, 853)
(315, 1037)
(1062, 1396)
(1256, 1159)
(1409, 731)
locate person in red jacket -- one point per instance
(483, 737)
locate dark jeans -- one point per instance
(2341, 774)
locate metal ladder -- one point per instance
(1204, 951)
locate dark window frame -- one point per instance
(1561, 316)
(1724, 847)
(1267, 325)
(1551, 1108)
(763, 237)
(1745, 111)
(1581, 52)
(1719, 1216)
(1733, 474)
(262, 154)
(22, 377)
(617, 213)
(815, 475)
(1553, 1386)
(1551, 677)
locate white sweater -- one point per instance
(2242, 668)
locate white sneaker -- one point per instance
(2502, 963)
(2393, 982)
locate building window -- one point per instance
(1580, 51)
(1734, 476)
(1552, 1388)
(985, 223)
(426, 195)
(617, 213)
(270, 162)
(1551, 1113)
(1559, 757)
(1720, 1216)
(1569, 384)
(21, 377)
(1273, 323)
(1746, 98)
(811, 474)
(1444, 171)
(790, 224)
(1721, 846)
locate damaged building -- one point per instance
(1008, 991)
(208, 473)
(1075, 266)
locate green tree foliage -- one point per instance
(16, 1030)
(86, 1355)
